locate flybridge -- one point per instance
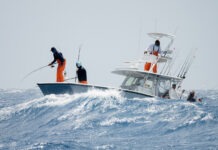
(154, 83)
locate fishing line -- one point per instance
(40, 68)
(70, 79)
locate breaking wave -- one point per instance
(105, 120)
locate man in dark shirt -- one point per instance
(192, 98)
(81, 73)
(61, 64)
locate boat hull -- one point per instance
(74, 88)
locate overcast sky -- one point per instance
(110, 32)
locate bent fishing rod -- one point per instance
(40, 68)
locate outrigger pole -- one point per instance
(184, 64)
(188, 67)
(187, 64)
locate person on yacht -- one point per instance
(166, 94)
(153, 49)
(141, 87)
(81, 73)
(192, 98)
(173, 94)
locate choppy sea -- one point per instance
(106, 120)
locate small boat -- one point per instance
(137, 82)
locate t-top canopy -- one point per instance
(160, 35)
(138, 73)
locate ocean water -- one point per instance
(106, 120)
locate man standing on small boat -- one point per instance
(61, 64)
(153, 49)
(81, 73)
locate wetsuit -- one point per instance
(81, 74)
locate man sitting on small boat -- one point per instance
(81, 73)
(153, 49)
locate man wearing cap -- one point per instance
(61, 64)
(81, 73)
(153, 49)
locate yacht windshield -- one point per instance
(142, 85)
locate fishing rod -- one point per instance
(185, 64)
(178, 69)
(80, 47)
(40, 68)
(183, 74)
(185, 67)
(188, 65)
(70, 79)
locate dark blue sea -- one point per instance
(105, 120)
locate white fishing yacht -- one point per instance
(137, 82)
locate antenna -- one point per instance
(80, 47)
